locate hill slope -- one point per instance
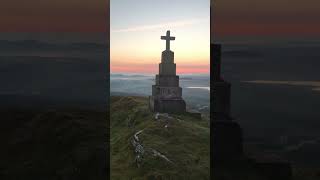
(170, 147)
(53, 144)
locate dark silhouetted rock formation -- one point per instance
(227, 134)
(227, 158)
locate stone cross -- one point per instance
(168, 38)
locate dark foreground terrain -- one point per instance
(53, 144)
(42, 137)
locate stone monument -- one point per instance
(166, 93)
(226, 136)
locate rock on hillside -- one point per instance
(145, 145)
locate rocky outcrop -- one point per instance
(140, 151)
(144, 144)
(155, 153)
(138, 148)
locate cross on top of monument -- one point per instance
(168, 38)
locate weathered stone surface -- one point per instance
(215, 53)
(138, 148)
(221, 98)
(167, 69)
(226, 134)
(167, 105)
(166, 93)
(167, 80)
(226, 139)
(167, 57)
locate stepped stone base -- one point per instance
(228, 159)
(167, 69)
(177, 105)
(221, 97)
(167, 80)
(164, 92)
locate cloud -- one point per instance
(180, 23)
(314, 84)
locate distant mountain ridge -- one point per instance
(32, 45)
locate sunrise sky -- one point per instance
(232, 17)
(136, 27)
(266, 18)
(54, 16)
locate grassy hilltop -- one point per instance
(183, 142)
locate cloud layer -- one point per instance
(180, 23)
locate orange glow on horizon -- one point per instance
(136, 45)
(154, 68)
(54, 16)
(252, 29)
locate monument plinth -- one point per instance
(226, 136)
(166, 93)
